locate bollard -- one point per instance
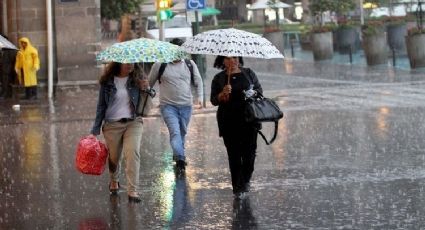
(394, 58)
(350, 52)
(292, 48)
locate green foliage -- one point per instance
(373, 27)
(320, 6)
(322, 28)
(339, 6)
(343, 6)
(347, 25)
(395, 20)
(415, 31)
(114, 9)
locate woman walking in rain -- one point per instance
(26, 66)
(228, 91)
(122, 127)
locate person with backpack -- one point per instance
(229, 89)
(176, 80)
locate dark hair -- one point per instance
(219, 62)
(112, 69)
(177, 41)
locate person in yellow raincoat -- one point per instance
(26, 66)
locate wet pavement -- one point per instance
(349, 155)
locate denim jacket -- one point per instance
(106, 94)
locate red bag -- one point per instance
(91, 156)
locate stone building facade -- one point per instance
(76, 36)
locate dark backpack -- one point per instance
(189, 65)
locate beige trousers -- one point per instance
(124, 139)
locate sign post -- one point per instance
(163, 13)
(200, 62)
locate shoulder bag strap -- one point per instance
(276, 124)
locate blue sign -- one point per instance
(195, 4)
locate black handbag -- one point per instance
(261, 109)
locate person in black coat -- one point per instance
(228, 91)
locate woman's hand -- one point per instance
(197, 104)
(143, 84)
(224, 95)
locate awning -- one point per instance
(210, 11)
(262, 4)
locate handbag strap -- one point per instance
(144, 104)
(276, 124)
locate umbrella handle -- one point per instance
(228, 76)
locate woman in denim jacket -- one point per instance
(122, 127)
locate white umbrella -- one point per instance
(262, 4)
(6, 44)
(232, 43)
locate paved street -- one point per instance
(350, 154)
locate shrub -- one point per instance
(373, 28)
(395, 20)
(415, 31)
(322, 29)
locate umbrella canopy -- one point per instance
(232, 43)
(209, 11)
(6, 44)
(262, 4)
(142, 50)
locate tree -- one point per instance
(306, 17)
(342, 7)
(114, 9)
(318, 7)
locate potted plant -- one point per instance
(346, 36)
(320, 35)
(415, 44)
(321, 42)
(396, 33)
(375, 43)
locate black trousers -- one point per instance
(241, 145)
(31, 92)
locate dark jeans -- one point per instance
(241, 145)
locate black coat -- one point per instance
(230, 115)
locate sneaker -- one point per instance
(181, 165)
(134, 199)
(175, 158)
(239, 195)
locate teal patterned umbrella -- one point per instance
(142, 50)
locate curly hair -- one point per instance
(219, 62)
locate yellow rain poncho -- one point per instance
(27, 63)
